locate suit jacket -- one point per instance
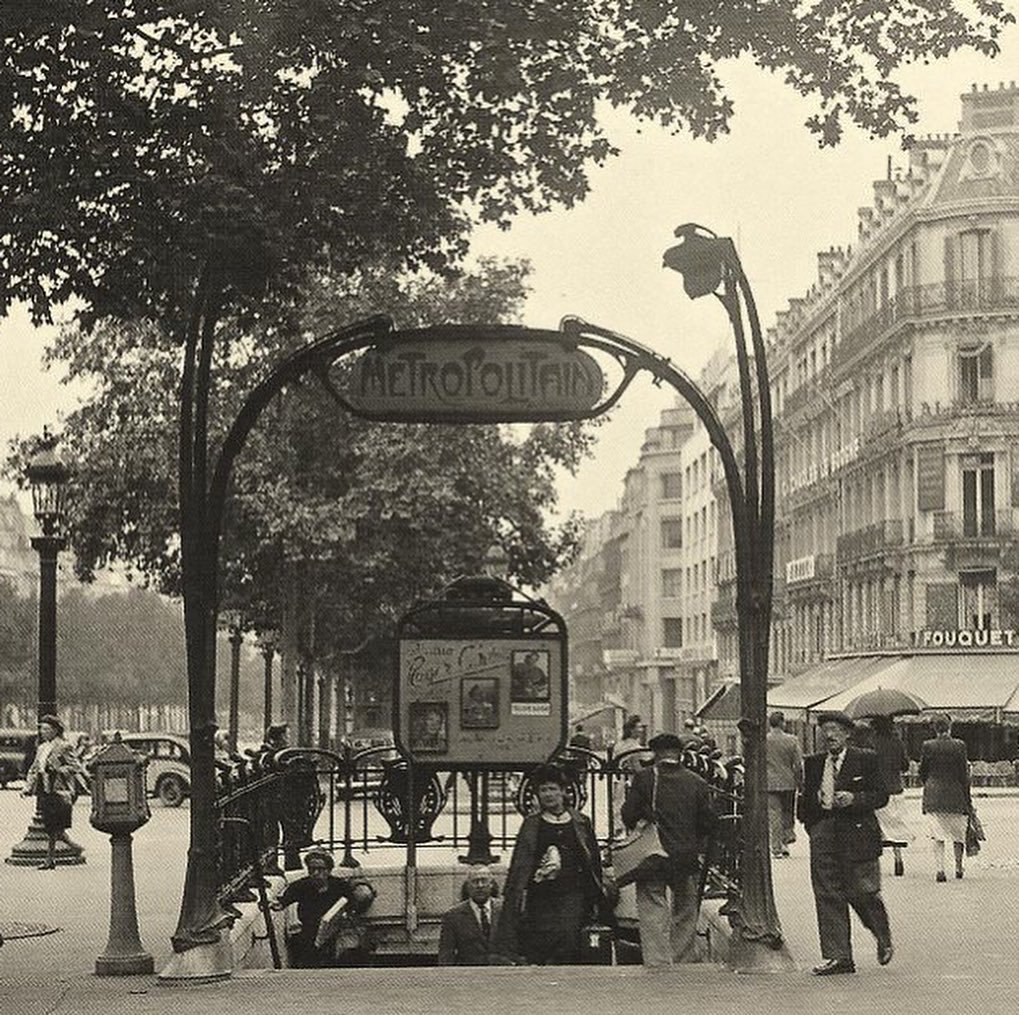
(859, 833)
(683, 810)
(944, 772)
(785, 762)
(461, 942)
(62, 773)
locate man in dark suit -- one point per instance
(842, 789)
(465, 938)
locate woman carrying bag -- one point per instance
(54, 778)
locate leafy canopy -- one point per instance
(394, 511)
(145, 139)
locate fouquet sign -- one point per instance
(965, 638)
(474, 375)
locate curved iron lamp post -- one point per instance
(710, 265)
(47, 476)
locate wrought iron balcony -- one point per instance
(950, 526)
(962, 297)
(869, 540)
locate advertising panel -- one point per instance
(481, 701)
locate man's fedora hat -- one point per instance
(840, 717)
(665, 742)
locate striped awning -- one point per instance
(813, 688)
(974, 684)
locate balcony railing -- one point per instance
(988, 294)
(869, 540)
(949, 525)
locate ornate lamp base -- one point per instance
(34, 848)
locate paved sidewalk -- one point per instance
(955, 950)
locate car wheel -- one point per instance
(171, 791)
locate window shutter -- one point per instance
(950, 287)
(930, 477)
(942, 606)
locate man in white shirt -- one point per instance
(842, 789)
(465, 938)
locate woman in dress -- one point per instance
(893, 761)
(944, 772)
(554, 882)
(54, 778)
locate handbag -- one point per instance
(974, 833)
(641, 844)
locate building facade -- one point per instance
(895, 386)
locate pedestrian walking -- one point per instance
(467, 931)
(554, 884)
(842, 789)
(679, 802)
(54, 778)
(785, 780)
(893, 761)
(944, 773)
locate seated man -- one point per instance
(467, 929)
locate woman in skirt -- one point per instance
(893, 761)
(944, 772)
(54, 778)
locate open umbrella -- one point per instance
(885, 701)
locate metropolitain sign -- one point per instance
(480, 377)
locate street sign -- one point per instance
(458, 374)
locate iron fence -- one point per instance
(274, 805)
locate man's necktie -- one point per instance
(828, 783)
(486, 926)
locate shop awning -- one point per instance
(724, 704)
(817, 685)
(977, 684)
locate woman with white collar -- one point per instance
(554, 884)
(54, 778)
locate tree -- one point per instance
(17, 645)
(188, 164)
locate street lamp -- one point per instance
(267, 640)
(47, 477)
(231, 622)
(710, 265)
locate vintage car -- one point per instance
(16, 749)
(168, 775)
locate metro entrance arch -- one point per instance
(501, 373)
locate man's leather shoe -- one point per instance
(885, 951)
(833, 967)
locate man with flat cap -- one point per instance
(842, 787)
(679, 802)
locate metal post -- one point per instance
(236, 638)
(268, 651)
(124, 954)
(33, 848)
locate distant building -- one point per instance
(19, 563)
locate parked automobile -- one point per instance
(168, 775)
(17, 747)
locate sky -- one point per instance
(767, 184)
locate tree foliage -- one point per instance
(392, 511)
(147, 138)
